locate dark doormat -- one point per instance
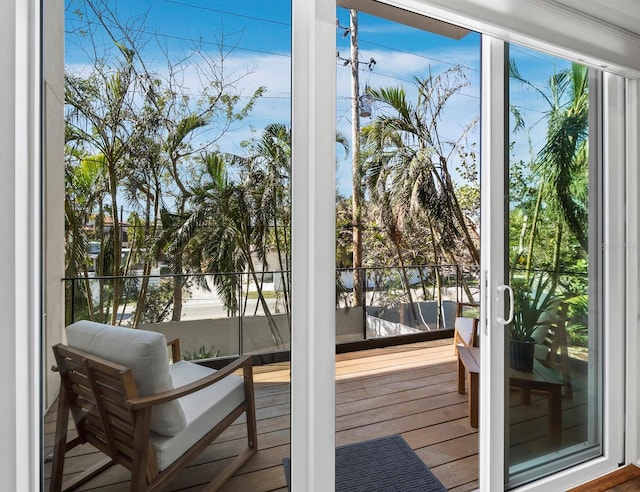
(387, 464)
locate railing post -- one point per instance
(73, 300)
(363, 289)
(240, 316)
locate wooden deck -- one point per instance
(408, 390)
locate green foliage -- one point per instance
(252, 295)
(549, 193)
(469, 199)
(157, 303)
(344, 233)
(132, 139)
(531, 299)
(578, 328)
(202, 353)
(408, 167)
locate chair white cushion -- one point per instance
(145, 353)
(540, 333)
(202, 409)
(541, 351)
(464, 329)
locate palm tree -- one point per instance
(177, 148)
(222, 231)
(562, 164)
(268, 173)
(564, 159)
(99, 116)
(83, 190)
(144, 191)
(408, 162)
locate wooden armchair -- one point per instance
(151, 417)
(551, 343)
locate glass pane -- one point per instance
(552, 393)
(407, 225)
(178, 191)
(178, 172)
(407, 175)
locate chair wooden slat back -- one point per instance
(96, 391)
(465, 333)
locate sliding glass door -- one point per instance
(545, 264)
(553, 404)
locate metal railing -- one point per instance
(398, 301)
(221, 314)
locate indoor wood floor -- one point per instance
(408, 390)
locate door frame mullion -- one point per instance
(313, 246)
(493, 131)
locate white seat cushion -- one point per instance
(540, 333)
(145, 353)
(202, 410)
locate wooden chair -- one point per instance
(151, 417)
(551, 343)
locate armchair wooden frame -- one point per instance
(109, 414)
(556, 342)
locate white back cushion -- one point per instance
(464, 328)
(145, 353)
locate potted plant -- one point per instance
(531, 300)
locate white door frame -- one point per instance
(20, 269)
(313, 246)
(493, 127)
(632, 426)
(610, 134)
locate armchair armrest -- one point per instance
(244, 362)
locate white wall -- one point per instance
(222, 333)
(53, 188)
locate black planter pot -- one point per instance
(522, 353)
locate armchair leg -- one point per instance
(60, 448)
(60, 444)
(252, 434)
(88, 474)
(231, 468)
(252, 431)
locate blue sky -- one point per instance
(260, 27)
(256, 36)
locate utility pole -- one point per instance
(357, 194)
(356, 165)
